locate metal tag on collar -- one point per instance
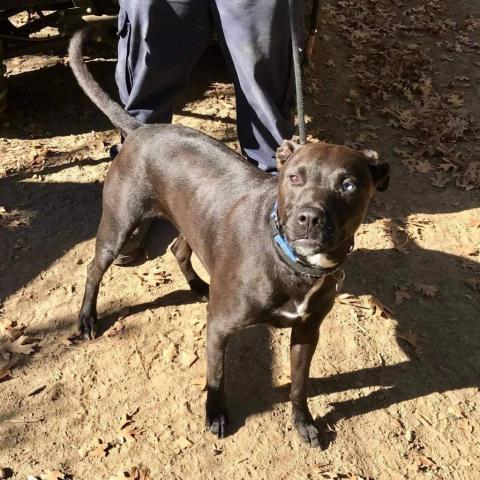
(339, 276)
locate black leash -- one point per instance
(297, 52)
(297, 68)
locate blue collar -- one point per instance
(278, 236)
(288, 254)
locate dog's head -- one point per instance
(323, 194)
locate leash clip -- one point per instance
(339, 276)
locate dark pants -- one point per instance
(160, 42)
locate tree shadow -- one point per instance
(177, 297)
(59, 217)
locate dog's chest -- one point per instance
(297, 311)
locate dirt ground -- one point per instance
(395, 380)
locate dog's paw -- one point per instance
(199, 288)
(87, 326)
(308, 431)
(217, 423)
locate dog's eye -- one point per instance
(295, 179)
(348, 186)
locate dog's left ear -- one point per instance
(285, 151)
(380, 172)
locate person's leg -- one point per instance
(256, 35)
(159, 43)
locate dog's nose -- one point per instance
(310, 217)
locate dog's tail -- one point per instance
(117, 115)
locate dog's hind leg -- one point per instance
(113, 232)
(183, 253)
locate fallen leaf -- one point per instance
(19, 346)
(378, 308)
(400, 296)
(455, 100)
(5, 371)
(399, 237)
(426, 290)
(70, 340)
(440, 180)
(54, 475)
(183, 443)
(409, 337)
(349, 299)
(101, 449)
(423, 463)
(424, 166)
(473, 283)
(187, 359)
(117, 328)
(129, 432)
(129, 415)
(138, 473)
(410, 436)
(12, 330)
(170, 352)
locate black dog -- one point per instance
(272, 245)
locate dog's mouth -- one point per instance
(306, 247)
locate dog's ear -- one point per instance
(285, 151)
(380, 172)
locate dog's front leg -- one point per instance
(302, 347)
(216, 412)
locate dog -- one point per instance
(272, 245)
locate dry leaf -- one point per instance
(117, 328)
(422, 462)
(19, 346)
(400, 296)
(54, 475)
(426, 290)
(170, 352)
(12, 330)
(101, 449)
(470, 178)
(473, 283)
(5, 371)
(129, 432)
(455, 100)
(183, 443)
(378, 308)
(424, 166)
(129, 415)
(187, 359)
(399, 237)
(440, 180)
(349, 299)
(409, 337)
(138, 473)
